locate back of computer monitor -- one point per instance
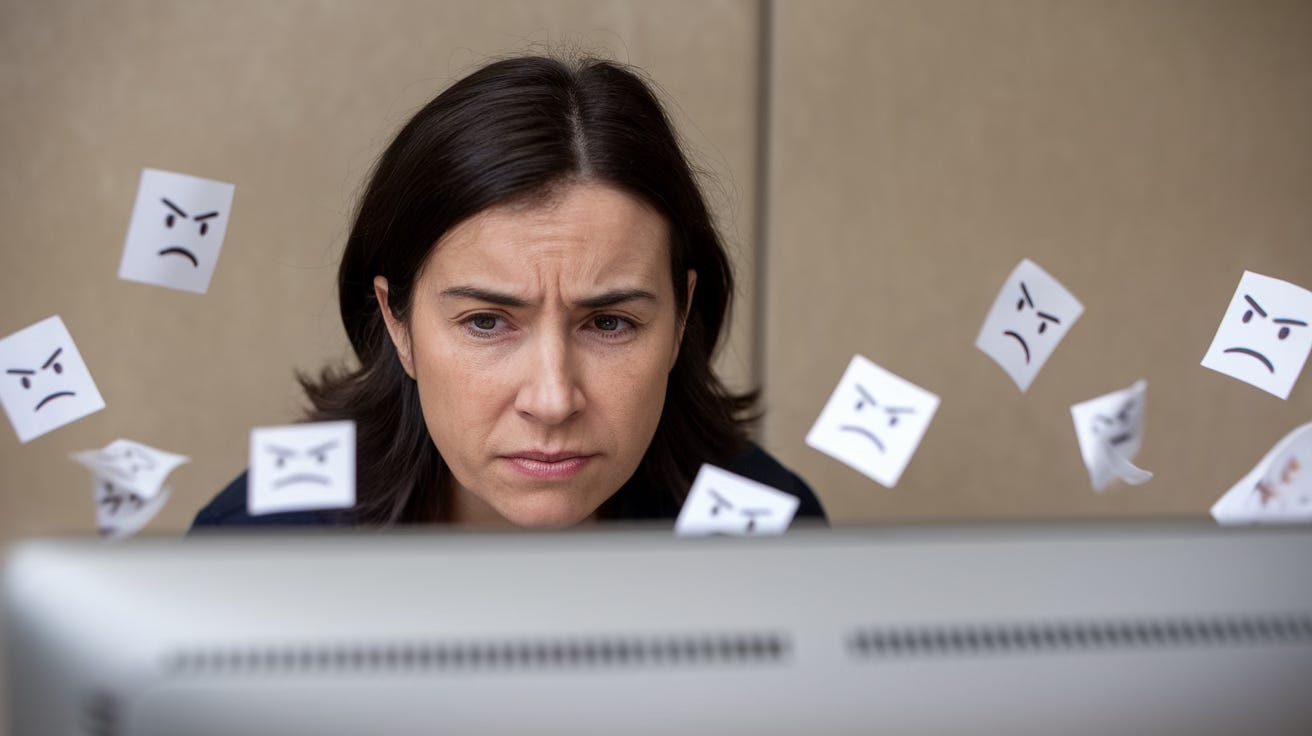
(1017, 630)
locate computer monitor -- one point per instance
(1088, 629)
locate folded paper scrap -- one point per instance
(128, 484)
(1278, 490)
(1110, 430)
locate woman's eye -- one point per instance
(484, 326)
(612, 327)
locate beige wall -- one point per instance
(1144, 152)
(290, 101)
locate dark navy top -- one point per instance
(228, 509)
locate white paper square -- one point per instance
(1277, 490)
(45, 384)
(176, 230)
(721, 502)
(1110, 430)
(131, 466)
(300, 467)
(873, 421)
(120, 513)
(1264, 337)
(1030, 316)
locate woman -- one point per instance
(534, 290)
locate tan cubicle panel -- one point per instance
(1144, 153)
(290, 101)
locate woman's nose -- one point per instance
(550, 391)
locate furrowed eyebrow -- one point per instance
(865, 395)
(1026, 292)
(205, 216)
(283, 451)
(900, 410)
(611, 298)
(1287, 321)
(322, 448)
(485, 295)
(721, 499)
(1047, 316)
(172, 206)
(1259, 309)
(52, 358)
(21, 372)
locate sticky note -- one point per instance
(1264, 338)
(721, 502)
(176, 231)
(300, 467)
(874, 421)
(1029, 318)
(45, 384)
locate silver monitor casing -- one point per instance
(1073, 629)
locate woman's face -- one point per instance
(541, 338)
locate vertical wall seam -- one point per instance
(761, 194)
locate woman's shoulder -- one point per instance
(760, 466)
(228, 509)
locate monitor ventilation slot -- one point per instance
(1034, 638)
(491, 656)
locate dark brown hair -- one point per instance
(512, 130)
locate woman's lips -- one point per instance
(544, 466)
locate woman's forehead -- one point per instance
(583, 232)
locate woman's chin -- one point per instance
(546, 513)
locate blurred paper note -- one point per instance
(120, 513)
(45, 384)
(301, 467)
(1264, 338)
(1110, 431)
(131, 466)
(721, 502)
(873, 421)
(1030, 316)
(176, 231)
(1278, 490)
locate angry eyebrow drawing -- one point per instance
(891, 412)
(319, 453)
(51, 364)
(115, 498)
(301, 467)
(169, 221)
(1102, 424)
(1284, 322)
(1044, 319)
(720, 503)
(1264, 338)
